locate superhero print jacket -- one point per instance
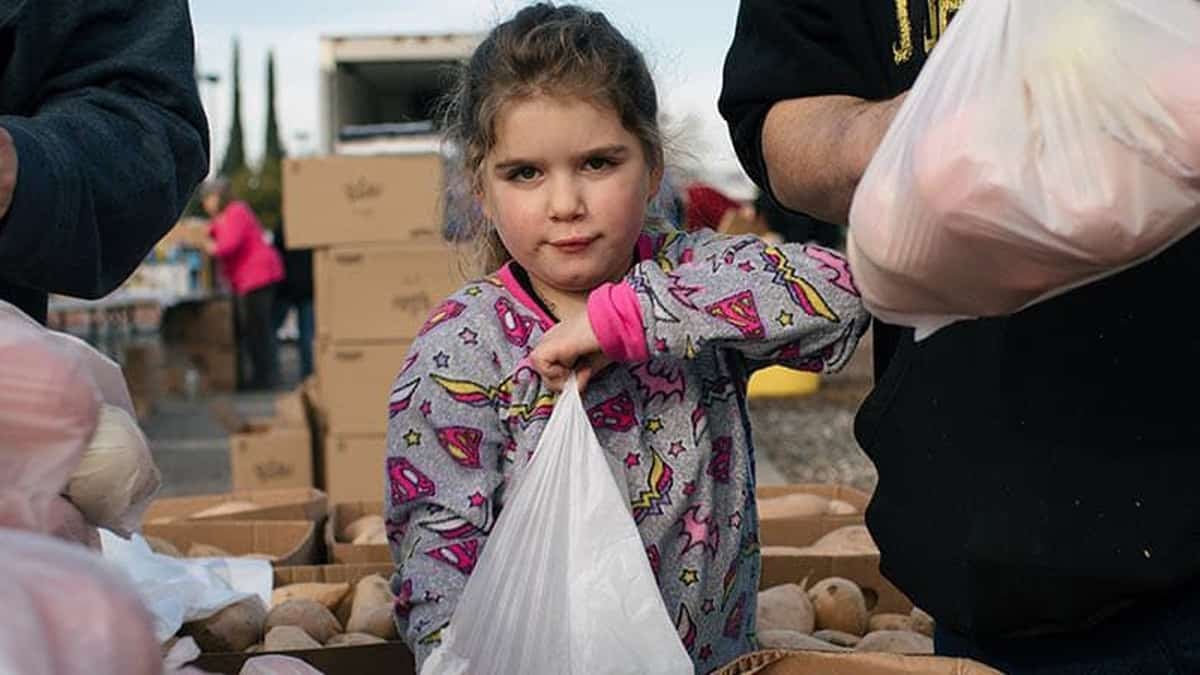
(688, 325)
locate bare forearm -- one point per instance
(816, 150)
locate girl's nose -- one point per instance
(566, 200)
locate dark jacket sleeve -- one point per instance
(110, 147)
(786, 50)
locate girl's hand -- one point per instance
(569, 345)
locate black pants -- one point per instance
(1160, 637)
(255, 319)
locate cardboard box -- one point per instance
(291, 409)
(341, 515)
(355, 383)
(353, 467)
(336, 200)
(288, 542)
(215, 366)
(270, 455)
(391, 658)
(778, 662)
(804, 530)
(791, 567)
(290, 504)
(200, 322)
(372, 293)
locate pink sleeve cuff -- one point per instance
(616, 318)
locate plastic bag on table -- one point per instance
(1043, 146)
(67, 612)
(67, 426)
(49, 406)
(563, 584)
(179, 590)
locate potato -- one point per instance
(921, 622)
(372, 610)
(353, 639)
(226, 509)
(254, 648)
(849, 539)
(328, 595)
(886, 621)
(839, 604)
(163, 547)
(359, 526)
(232, 629)
(793, 505)
(837, 637)
(837, 507)
(790, 639)
(784, 607)
(116, 477)
(288, 638)
(895, 642)
(207, 551)
(310, 615)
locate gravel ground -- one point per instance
(810, 439)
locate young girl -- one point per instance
(556, 123)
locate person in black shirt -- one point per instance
(1036, 472)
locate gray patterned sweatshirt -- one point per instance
(689, 324)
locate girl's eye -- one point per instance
(523, 174)
(598, 163)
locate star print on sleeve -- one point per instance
(412, 438)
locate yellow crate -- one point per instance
(781, 382)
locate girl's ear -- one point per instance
(485, 207)
(656, 177)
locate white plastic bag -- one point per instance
(178, 590)
(67, 426)
(563, 584)
(67, 612)
(1044, 145)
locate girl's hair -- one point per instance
(559, 51)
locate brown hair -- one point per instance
(552, 50)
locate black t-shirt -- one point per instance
(1036, 472)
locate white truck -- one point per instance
(379, 94)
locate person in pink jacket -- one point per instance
(253, 268)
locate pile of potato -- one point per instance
(801, 504)
(365, 530)
(832, 616)
(302, 616)
(848, 540)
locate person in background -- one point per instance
(296, 292)
(102, 140)
(253, 269)
(1037, 472)
(705, 206)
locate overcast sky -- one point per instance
(684, 42)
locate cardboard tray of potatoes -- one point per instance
(284, 504)
(881, 595)
(341, 551)
(806, 663)
(392, 658)
(286, 542)
(802, 526)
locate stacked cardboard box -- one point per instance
(380, 267)
(143, 363)
(199, 337)
(270, 453)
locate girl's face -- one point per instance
(567, 187)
